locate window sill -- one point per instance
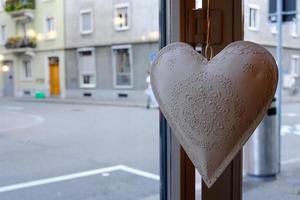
(88, 86)
(50, 38)
(252, 29)
(122, 29)
(86, 32)
(26, 80)
(294, 35)
(123, 87)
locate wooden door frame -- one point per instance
(180, 173)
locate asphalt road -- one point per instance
(81, 152)
(70, 152)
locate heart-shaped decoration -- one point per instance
(214, 106)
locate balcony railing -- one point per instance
(19, 42)
(20, 10)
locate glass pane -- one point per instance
(78, 118)
(123, 67)
(86, 21)
(263, 178)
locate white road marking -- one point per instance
(285, 130)
(139, 172)
(290, 114)
(35, 121)
(57, 179)
(295, 129)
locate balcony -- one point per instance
(20, 10)
(21, 45)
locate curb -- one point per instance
(81, 102)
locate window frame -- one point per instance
(180, 176)
(91, 30)
(295, 66)
(80, 74)
(25, 72)
(120, 6)
(3, 34)
(46, 31)
(23, 28)
(117, 47)
(257, 18)
(2, 3)
(273, 28)
(295, 27)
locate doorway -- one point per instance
(9, 86)
(54, 80)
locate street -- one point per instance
(67, 151)
(86, 152)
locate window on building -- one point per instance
(288, 7)
(23, 28)
(122, 17)
(50, 28)
(295, 68)
(273, 28)
(253, 18)
(1, 5)
(86, 22)
(87, 69)
(295, 27)
(27, 70)
(122, 66)
(3, 34)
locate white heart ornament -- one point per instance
(214, 106)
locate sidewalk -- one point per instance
(85, 101)
(285, 187)
(287, 97)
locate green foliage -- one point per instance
(14, 5)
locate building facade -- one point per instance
(32, 48)
(259, 28)
(109, 46)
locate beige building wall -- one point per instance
(48, 45)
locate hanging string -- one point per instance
(208, 47)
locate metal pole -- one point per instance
(279, 63)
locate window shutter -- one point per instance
(87, 63)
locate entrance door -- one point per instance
(54, 79)
(9, 86)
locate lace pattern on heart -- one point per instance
(223, 107)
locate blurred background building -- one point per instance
(109, 51)
(67, 49)
(259, 15)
